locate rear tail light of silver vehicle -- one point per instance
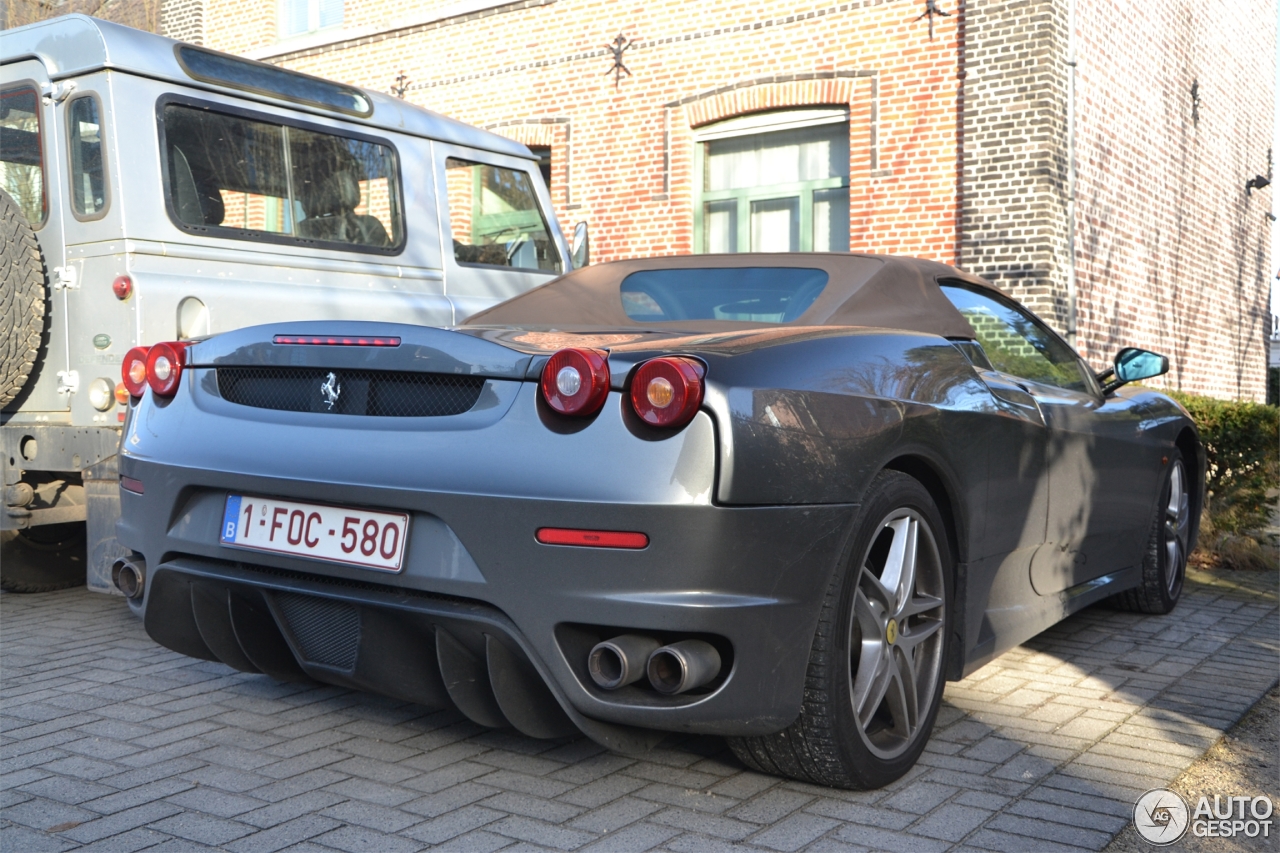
(667, 392)
(576, 381)
(164, 367)
(133, 371)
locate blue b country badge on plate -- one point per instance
(229, 519)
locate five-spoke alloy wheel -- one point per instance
(875, 674)
(1164, 565)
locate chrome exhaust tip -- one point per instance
(683, 666)
(618, 662)
(129, 575)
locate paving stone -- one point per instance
(19, 838)
(951, 822)
(540, 833)
(213, 802)
(883, 839)
(359, 839)
(381, 818)
(63, 790)
(794, 832)
(201, 828)
(879, 816)
(727, 828)
(615, 815)
(632, 839)
(920, 797)
(121, 821)
(290, 809)
(536, 807)
(453, 824)
(692, 798)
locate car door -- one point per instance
(1098, 504)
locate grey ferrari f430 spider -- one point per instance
(778, 498)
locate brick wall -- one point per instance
(183, 20)
(622, 158)
(1172, 253)
(957, 143)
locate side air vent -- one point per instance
(350, 392)
(327, 632)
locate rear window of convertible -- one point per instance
(750, 294)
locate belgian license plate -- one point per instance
(356, 537)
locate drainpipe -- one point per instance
(1071, 173)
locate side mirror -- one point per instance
(1132, 365)
(580, 248)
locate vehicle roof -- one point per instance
(72, 45)
(885, 291)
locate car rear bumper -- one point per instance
(483, 617)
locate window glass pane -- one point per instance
(345, 189)
(1015, 343)
(22, 152)
(226, 170)
(329, 13)
(88, 181)
(720, 226)
(219, 68)
(775, 225)
(294, 17)
(789, 156)
(831, 220)
(754, 294)
(231, 171)
(495, 219)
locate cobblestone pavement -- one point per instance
(109, 742)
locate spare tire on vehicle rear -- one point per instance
(23, 297)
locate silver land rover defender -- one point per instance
(152, 190)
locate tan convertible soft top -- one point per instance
(885, 291)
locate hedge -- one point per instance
(1242, 455)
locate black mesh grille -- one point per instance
(328, 632)
(352, 392)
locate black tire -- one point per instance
(1164, 564)
(23, 298)
(829, 744)
(43, 558)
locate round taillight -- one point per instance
(576, 381)
(122, 287)
(667, 392)
(122, 393)
(164, 367)
(133, 372)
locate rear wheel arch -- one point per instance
(944, 497)
(927, 473)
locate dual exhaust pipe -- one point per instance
(671, 669)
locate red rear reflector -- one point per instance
(330, 341)
(592, 538)
(131, 485)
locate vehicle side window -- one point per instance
(243, 176)
(22, 152)
(88, 169)
(495, 219)
(1015, 342)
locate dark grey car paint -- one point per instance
(749, 509)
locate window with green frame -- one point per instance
(774, 182)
